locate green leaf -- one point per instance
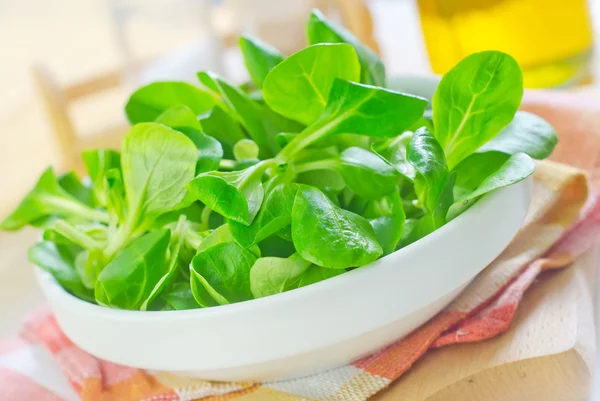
(242, 164)
(259, 58)
(366, 110)
(485, 172)
(84, 236)
(47, 199)
(270, 275)
(98, 232)
(424, 121)
(319, 167)
(474, 101)
(298, 88)
(89, 265)
(174, 255)
(276, 246)
(59, 260)
(273, 275)
(329, 236)
(51, 235)
(128, 281)
(445, 201)
(74, 187)
(181, 118)
(220, 235)
(180, 297)
(321, 30)
(217, 236)
(526, 133)
(427, 157)
(221, 274)
(245, 149)
(278, 209)
(98, 162)
(386, 216)
(115, 189)
(515, 169)
(210, 151)
(236, 195)
(322, 179)
(415, 229)
(366, 174)
(394, 152)
(314, 154)
(157, 163)
(474, 169)
(219, 124)
(315, 273)
(275, 123)
(249, 112)
(192, 213)
(150, 101)
(359, 109)
(275, 216)
(418, 228)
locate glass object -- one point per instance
(551, 39)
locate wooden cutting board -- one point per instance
(548, 354)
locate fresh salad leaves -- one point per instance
(475, 101)
(299, 86)
(236, 195)
(59, 260)
(223, 193)
(354, 108)
(221, 274)
(330, 236)
(47, 199)
(259, 58)
(321, 30)
(273, 275)
(526, 133)
(127, 282)
(152, 100)
(427, 157)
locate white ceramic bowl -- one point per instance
(310, 329)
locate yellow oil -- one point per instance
(551, 39)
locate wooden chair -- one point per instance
(57, 103)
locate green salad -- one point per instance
(224, 193)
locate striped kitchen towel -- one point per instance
(563, 222)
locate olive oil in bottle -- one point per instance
(551, 39)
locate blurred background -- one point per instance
(68, 66)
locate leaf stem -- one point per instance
(307, 137)
(75, 208)
(227, 164)
(205, 216)
(261, 167)
(125, 234)
(177, 241)
(192, 239)
(73, 234)
(180, 228)
(325, 164)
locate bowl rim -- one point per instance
(51, 284)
